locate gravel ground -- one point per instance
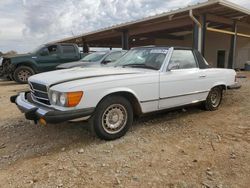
(184, 148)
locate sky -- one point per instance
(26, 24)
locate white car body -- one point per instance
(141, 89)
(155, 90)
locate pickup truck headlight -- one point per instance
(67, 99)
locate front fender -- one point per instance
(120, 89)
(30, 63)
(92, 98)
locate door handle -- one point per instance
(203, 76)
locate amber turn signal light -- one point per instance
(73, 98)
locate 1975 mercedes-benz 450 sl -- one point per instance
(146, 79)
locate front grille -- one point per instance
(39, 93)
(7, 67)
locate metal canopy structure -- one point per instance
(218, 16)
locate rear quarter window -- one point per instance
(68, 49)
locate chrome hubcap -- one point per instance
(114, 118)
(215, 98)
(23, 75)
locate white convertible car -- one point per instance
(146, 79)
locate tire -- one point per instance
(10, 77)
(112, 118)
(214, 99)
(22, 73)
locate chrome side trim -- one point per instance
(176, 96)
(192, 93)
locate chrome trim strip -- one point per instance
(43, 104)
(39, 97)
(193, 93)
(153, 100)
(39, 91)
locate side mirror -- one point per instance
(173, 66)
(44, 53)
(106, 61)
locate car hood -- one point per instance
(18, 55)
(75, 64)
(67, 75)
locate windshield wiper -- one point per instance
(140, 66)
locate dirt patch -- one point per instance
(183, 148)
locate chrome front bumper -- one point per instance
(25, 106)
(36, 112)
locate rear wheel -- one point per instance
(22, 73)
(214, 99)
(112, 118)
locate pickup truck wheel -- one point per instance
(113, 117)
(214, 99)
(10, 77)
(22, 73)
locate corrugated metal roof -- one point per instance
(224, 3)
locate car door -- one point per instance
(183, 82)
(68, 53)
(48, 58)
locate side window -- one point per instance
(68, 49)
(52, 49)
(182, 59)
(49, 50)
(113, 57)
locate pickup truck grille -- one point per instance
(7, 67)
(39, 93)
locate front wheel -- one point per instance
(9, 77)
(214, 99)
(22, 73)
(112, 118)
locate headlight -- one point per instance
(54, 97)
(67, 99)
(62, 99)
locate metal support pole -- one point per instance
(85, 47)
(232, 52)
(203, 35)
(195, 36)
(197, 31)
(125, 42)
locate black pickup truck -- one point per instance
(45, 58)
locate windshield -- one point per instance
(37, 49)
(149, 58)
(96, 56)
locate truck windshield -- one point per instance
(37, 49)
(96, 56)
(148, 58)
